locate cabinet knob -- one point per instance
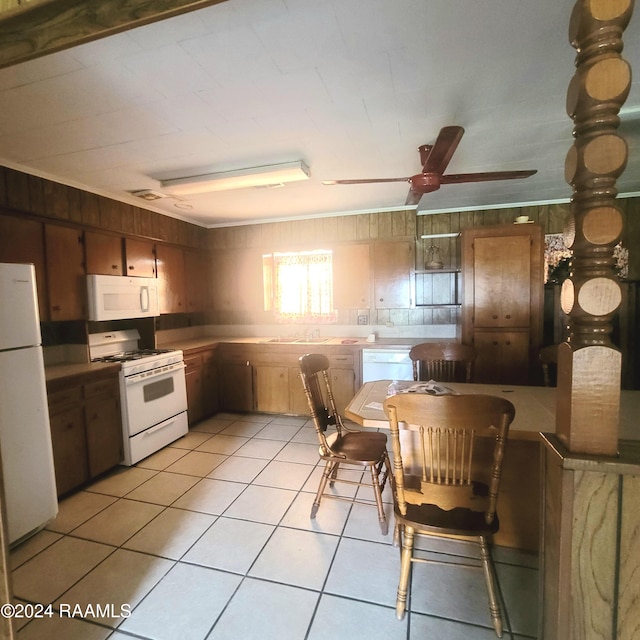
(114, 266)
(131, 267)
(495, 342)
(508, 343)
(495, 317)
(508, 316)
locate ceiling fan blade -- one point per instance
(365, 181)
(443, 149)
(413, 197)
(458, 178)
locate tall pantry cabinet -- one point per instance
(502, 301)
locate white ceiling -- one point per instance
(351, 87)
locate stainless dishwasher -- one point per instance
(386, 363)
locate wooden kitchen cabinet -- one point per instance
(236, 378)
(197, 281)
(351, 276)
(271, 388)
(171, 279)
(140, 258)
(86, 428)
(22, 241)
(393, 264)
(503, 356)
(297, 398)
(193, 379)
(210, 383)
(502, 313)
(65, 272)
(343, 377)
(68, 439)
(103, 254)
(103, 424)
(201, 375)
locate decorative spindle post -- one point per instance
(589, 365)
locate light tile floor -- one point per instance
(211, 538)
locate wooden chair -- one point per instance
(444, 362)
(343, 446)
(548, 357)
(447, 465)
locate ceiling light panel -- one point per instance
(272, 174)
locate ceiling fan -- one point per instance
(434, 159)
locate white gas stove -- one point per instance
(152, 391)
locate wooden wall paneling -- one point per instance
(36, 195)
(74, 200)
(90, 208)
(17, 190)
(40, 28)
(628, 613)
(55, 199)
(3, 187)
(110, 214)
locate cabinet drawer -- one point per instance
(277, 357)
(341, 360)
(236, 356)
(63, 398)
(192, 362)
(107, 387)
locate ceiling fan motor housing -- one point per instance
(425, 182)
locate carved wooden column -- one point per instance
(590, 542)
(589, 365)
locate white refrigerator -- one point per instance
(25, 437)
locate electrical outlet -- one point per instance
(363, 319)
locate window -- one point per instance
(298, 286)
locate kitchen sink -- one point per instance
(312, 340)
(282, 340)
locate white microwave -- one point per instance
(121, 297)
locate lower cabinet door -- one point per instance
(69, 442)
(502, 357)
(272, 388)
(236, 386)
(104, 434)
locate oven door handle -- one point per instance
(137, 378)
(158, 427)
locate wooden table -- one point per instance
(535, 408)
(520, 493)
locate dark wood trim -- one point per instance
(36, 30)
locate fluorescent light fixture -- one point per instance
(267, 175)
(455, 234)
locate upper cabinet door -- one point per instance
(171, 276)
(65, 273)
(140, 256)
(103, 253)
(502, 281)
(393, 263)
(22, 241)
(351, 277)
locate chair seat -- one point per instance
(360, 446)
(457, 521)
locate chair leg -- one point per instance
(405, 571)
(397, 532)
(375, 482)
(334, 473)
(490, 579)
(329, 469)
